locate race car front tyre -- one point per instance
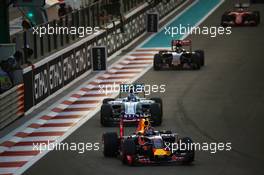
(128, 150)
(190, 152)
(106, 100)
(106, 114)
(110, 144)
(156, 114)
(157, 62)
(159, 101)
(201, 56)
(169, 139)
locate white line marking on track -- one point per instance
(21, 148)
(39, 138)
(53, 129)
(84, 105)
(8, 170)
(15, 159)
(72, 120)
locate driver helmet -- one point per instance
(179, 49)
(132, 97)
(148, 130)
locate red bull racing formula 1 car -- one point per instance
(178, 58)
(240, 16)
(147, 146)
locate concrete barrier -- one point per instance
(11, 105)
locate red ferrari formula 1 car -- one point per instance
(147, 146)
(240, 16)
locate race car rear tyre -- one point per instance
(128, 149)
(201, 55)
(223, 20)
(110, 144)
(257, 15)
(226, 19)
(196, 62)
(159, 101)
(156, 114)
(106, 114)
(190, 150)
(106, 100)
(157, 62)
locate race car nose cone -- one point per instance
(160, 152)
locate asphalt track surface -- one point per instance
(223, 102)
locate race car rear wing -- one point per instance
(141, 123)
(242, 5)
(181, 43)
(132, 88)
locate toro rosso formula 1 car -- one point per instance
(240, 16)
(178, 58)
(148, 146)
(131, 107)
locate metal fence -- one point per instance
(66, 62)
(98, 14)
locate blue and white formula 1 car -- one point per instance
(131, 107)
